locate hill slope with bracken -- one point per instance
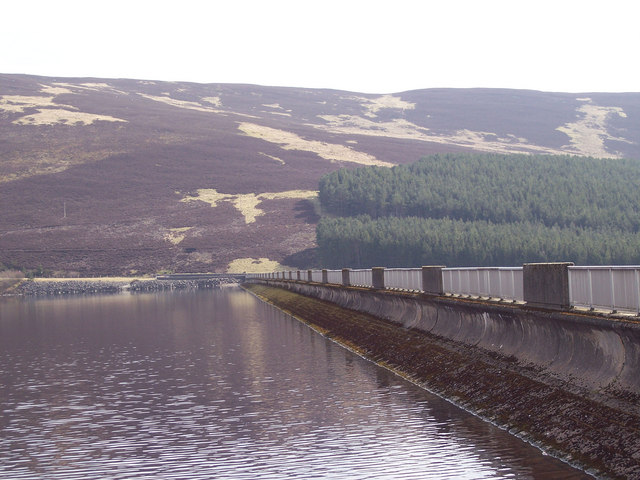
(122, 176)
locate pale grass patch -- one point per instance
(38, 162)
(279, 160)
(255, 265)
(215, 101)
(176, 235)
(52, 116)
(96, 87)
(49, 112)
(180, 103)
(291, 141)
(374, 105)
(54, 90)
(18, 103)
(302, 194)
(282, 114)
(588, 134)
(40, 168)
(209, 195)
(200, 257)
(193, 105)
(276, 106)
(403, 129)
(246, 203)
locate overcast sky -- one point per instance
(366, 46)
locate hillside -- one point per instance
(120, 176)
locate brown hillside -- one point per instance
(193, 177)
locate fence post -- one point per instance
(432, 279)
(309, 275)
(546, 284)
(346, 281)
(377, 277)
(298, 275)
(325, 276)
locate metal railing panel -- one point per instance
(493, 282)
(334, 276)
(316, 276)
(361, 278)
(403, 278)
(607, 287)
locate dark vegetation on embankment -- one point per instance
(596, 437)
(484, 210)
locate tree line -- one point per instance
(553, 190)
(477, 210)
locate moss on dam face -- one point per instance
(597, 433)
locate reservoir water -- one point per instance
(218, 385)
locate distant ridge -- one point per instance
(156, 176)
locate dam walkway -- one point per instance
(610, 289)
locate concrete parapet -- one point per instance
(546, 284)
(298, 275)
(432, 279)
(309, 276)
(346, 280)
(377, 277)
(325, 276)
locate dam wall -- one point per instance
(592, 354)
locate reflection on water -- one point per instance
(216, 384)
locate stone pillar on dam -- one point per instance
(547, 284)
(432, 280)
(377, 277)
(346, 280)
(325, 276)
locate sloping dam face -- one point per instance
(569, 382)
(586, 351)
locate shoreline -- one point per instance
(105, 285)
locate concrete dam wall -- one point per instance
(563, 380)
(592, 353)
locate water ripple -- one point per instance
(219, 385)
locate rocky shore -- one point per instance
(66, 287)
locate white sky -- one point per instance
(366, 46)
